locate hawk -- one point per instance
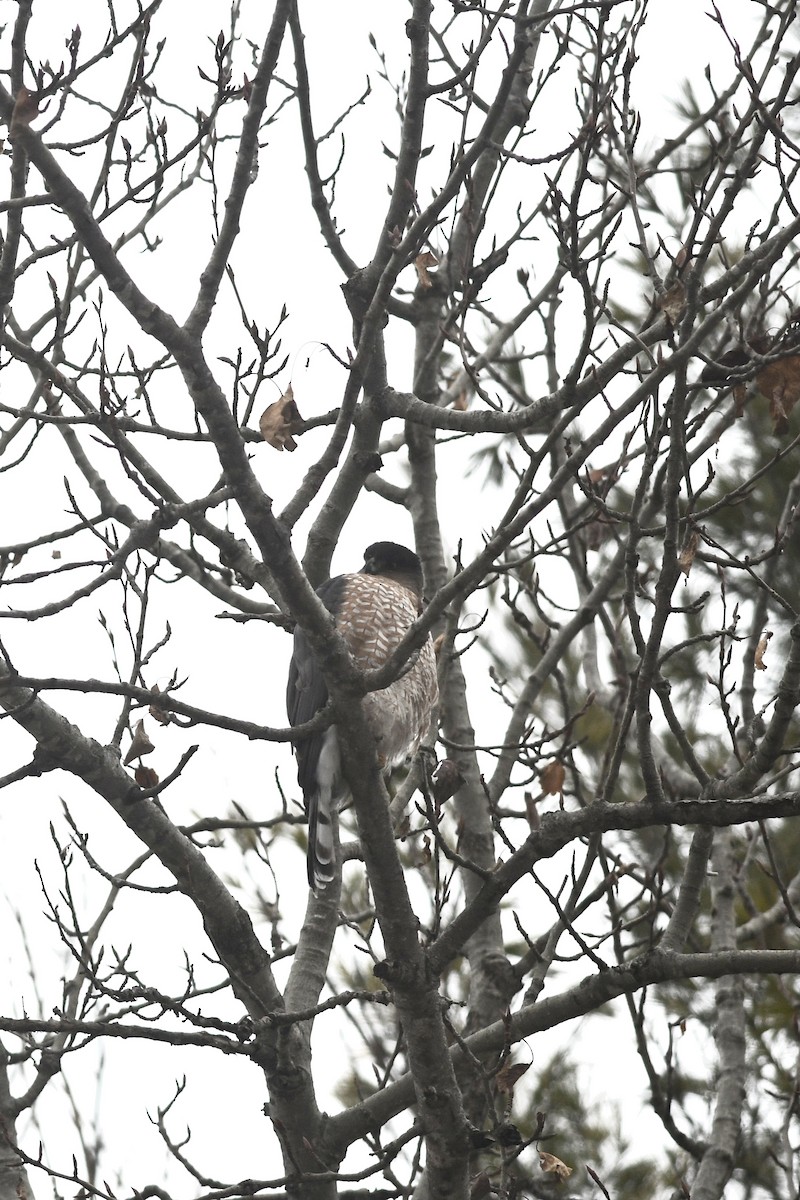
(372, 610)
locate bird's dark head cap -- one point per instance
(398, 562)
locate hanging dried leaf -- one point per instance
(280, 421)
(140, 745)
(780, 383)
(549, 1162)
(423, 262)
(507, 1076)
(404, 828)
(672, 302)
(422, 853)
(761, 650)
(551, 779)
(446, 781)
(688, 552)
(145, 776)
(437, 645)
(461, 402)
(26, 108)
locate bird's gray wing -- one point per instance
(317, 755)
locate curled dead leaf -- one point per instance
(280, 421)
(403, 829)
(549, 1162)
(672, 302)
(780, 383)
(26, 108)
(507, 1076)
(551, 779)
(761, 650)
(688, 552)
(423, 262)
(446, 781)
(422, 855)
(145, 776)
(140, 744)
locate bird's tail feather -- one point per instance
(321, 859)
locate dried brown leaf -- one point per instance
(549, 1162)
(423, 262)
(780, 383)
(688, 552)
(140, 744)
(446, 781)
(551, 779)
(26, 109)
(761, 650)
(280, 421)
(421, 855)
(507, 1076)
(404, 828)
(672, 302)
(145, 776)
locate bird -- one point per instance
(372, 610)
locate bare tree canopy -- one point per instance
(456, 276)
